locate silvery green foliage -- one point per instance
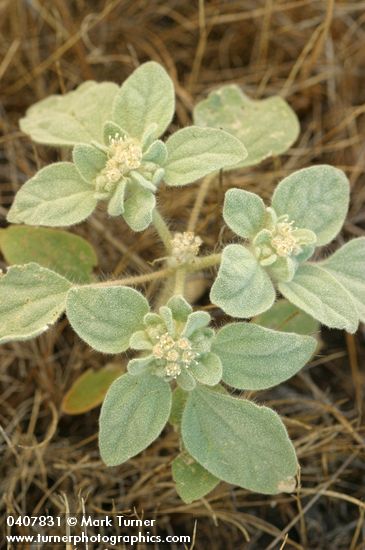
(308, 209)
(177, 344)
(31, 299)
(267, 127)
(117, 156)
(76, 117)
(134, 413)
(257, 358)
(106, 317)
(239, 442)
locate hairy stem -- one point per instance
(204, 262)
(178, 271)
(162, 229)
(138, 279)
(180, 276)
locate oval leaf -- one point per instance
(31, 299)
(138, 207)
(195, 152)
(267, 127)
(134, 413)
(239, 442)
(106, 317)
(244, 212)
(191, 479)
(89, 389)
(146, 97)
(315, 198)
(256, 358)
(56, 196)
(65, 253)
(242, 288)
(318, 293)
(76, 117)
(347, 265)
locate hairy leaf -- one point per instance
(347, 265)
(106, 317)
(31, 299)
(134, 413)
(243, 212)
(76, 117)
(242, 287)
(56, 196)
(267, 127)
(138, 207)
(239, 442)
(256, 358)
(318, 293)
(146, 97)
(314, 198)
(195, 152)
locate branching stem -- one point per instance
(179, 272)
(162, 229)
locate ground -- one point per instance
(310, 52)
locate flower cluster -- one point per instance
(178, 343)
(281, 244)
(184, 247)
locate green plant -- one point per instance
(183, 368)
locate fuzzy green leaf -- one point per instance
(89, 389)
(208, 370)
(180, 308)
(138, 207)
(242, 287)
(244, 212)
(106, 317)
(347, 265)
(146, 97)
(89, 161)
(31, 299)
(267, 127)
(76, 117)
(314, 198)
(319, 294)
(65, 253)
(239, 442)
(192, 480)
(286, 317)
(256, 358)
(195, 152)
(134, 413)
(56, 196)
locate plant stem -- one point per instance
(202, 193)
(180, 276)
(178, 271)
(205, 262)
(137, 279)
(162, 229)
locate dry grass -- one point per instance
(311, 52)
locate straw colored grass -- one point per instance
(312, 53)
